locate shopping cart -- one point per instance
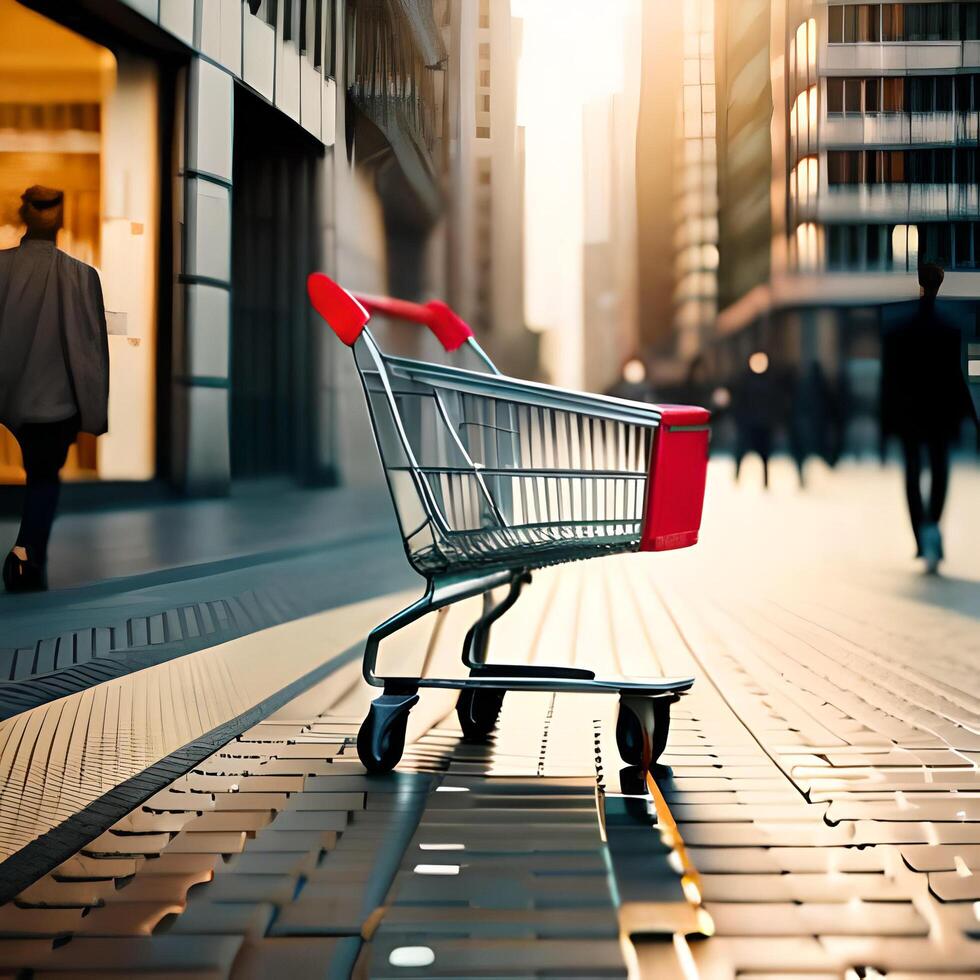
(492, 477)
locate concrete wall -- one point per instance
(236, 46)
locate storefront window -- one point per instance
(76, 117)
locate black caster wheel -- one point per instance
(381, 737)
(642, 729)
(477, 710)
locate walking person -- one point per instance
(813, 419)
(758, 405)
(924, 399)
(54, 370)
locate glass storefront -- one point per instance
(76, 116)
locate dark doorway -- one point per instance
(275, 244)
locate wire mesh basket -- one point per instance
(483, 469)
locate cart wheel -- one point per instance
(381, 738)
(477, 710)
(641, 730)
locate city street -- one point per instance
(817, 812)
(488, 489)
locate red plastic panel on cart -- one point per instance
(343, 313)
(675, 488)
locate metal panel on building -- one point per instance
(208, 230)
(219, 32)
(177, 16)
(259, 55)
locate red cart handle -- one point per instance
(347, 313)
(451, 329)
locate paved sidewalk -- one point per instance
(97, 546)
(136, 588)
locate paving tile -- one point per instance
(315, 820)
(166, 888)
(777, 956)
(81, 866)
(278, 889)
(25, 922)
(565, 958)
(52, 893)
(177, 863)
(331, 959)
(274, 863)
(272, 840)
(954, 886)
(247, 821)
(323, 914)
(941, 857)
(808, 888)
(413, 923)
(127, 918)
(127, 844)
(129, 955)
(214, 918)
(918, 955)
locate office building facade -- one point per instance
(213, 152)
(870, 171)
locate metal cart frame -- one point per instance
(492, 477)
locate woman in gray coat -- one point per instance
(54, 370)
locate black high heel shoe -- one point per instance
(23, 576)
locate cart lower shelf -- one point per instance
(641, 727)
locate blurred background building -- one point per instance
(578, 91)
(845, 155)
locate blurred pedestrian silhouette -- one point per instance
(633, 382)
(697, 389)
(924, 399)
(814, 428)
(758, 408)
(54, 370)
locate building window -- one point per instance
(915, 93)
(485, 79)
(484, 103)
(917, 166)
(858, 248)
(903, 248)
(967, 91)
(844, 167)
(266, 9)
(966, 245)
(892, 21)
(835, 96)
(311, 31)
(862, 23)
(872, 94)
(483, 132)
(484, 52)
(484, 13)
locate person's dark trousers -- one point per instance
(757, 439)
(44, 446)
(937, 448)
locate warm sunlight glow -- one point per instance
(634, 372)
(559, 37)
